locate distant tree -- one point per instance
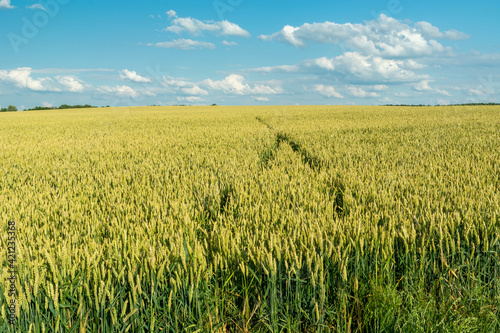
(214, 104)
(66, 106)
(62, 107)
(10, 108)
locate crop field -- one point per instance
(252, 219)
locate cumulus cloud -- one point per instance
(149, 93)
(354, 67)
(443, 92)
(134, 77)
(184, 44)
(260, 98)
(385, 37)
(194, 90)
(71, 83)
(5, 4)
(431, 32)
(380, 87)
(197, 27)
(225, 42)
(276, 69)
(180, 86)
(327, 91)
(169, 81)
(234, 85)
(443, 102)
(476, 92)
(171, 13)
(21, 78)
(190, 99)
(360, 92)
(36, 6)
(423, 86)
(120, 91)
(467, 60)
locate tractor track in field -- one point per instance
(335, 188)
(282, 137)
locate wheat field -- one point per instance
(253, 219)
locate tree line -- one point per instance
(62, 107)
(12, 108)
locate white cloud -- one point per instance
(171, 13)
(134, 77)
(431, 32)
(232, 29)
(47, 105)
(354, 67)
(412, 64)
(120, 91)
(234, 84)
(327, 91)
(197, 27)
(286, 35)
(225, 42)
(443, 92)
(71, 83)
(385, 37)
(423, 86)
(21, 78)
(149, 93)
(359, 92)
(380, 87)
(476, 92)
(190, 99)
(281, 68)
(36, 6)
(184, 44)
(466, 60)
(177, 83)
(5, 4)
(183, 86)
(194, 90)
(260, 98)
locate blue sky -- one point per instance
(240, 52)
